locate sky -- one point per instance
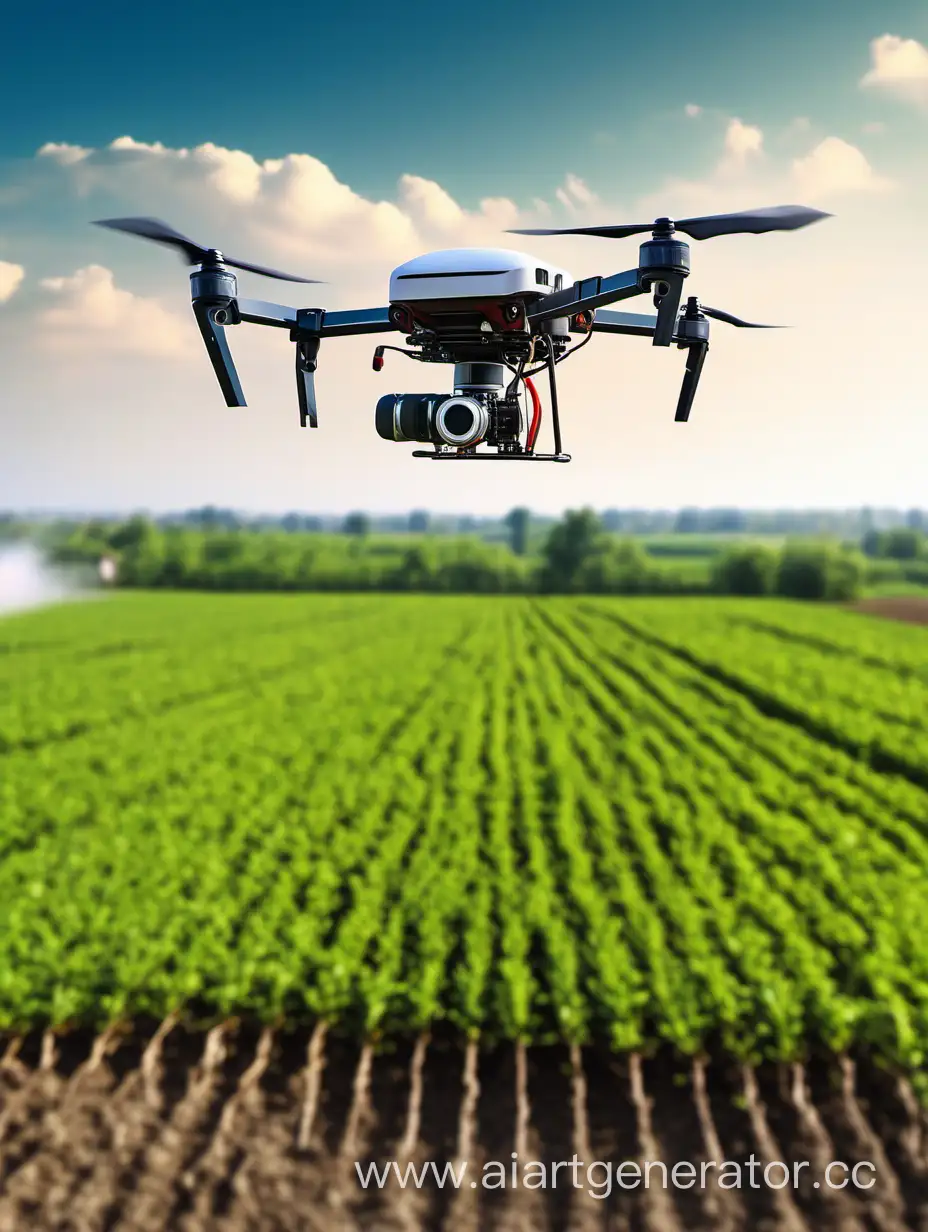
(340, 143)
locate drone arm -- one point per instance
(643, 325)
(260, 312)
(636, 324)
(586, 295)
(356, 321)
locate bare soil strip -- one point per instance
(910, 608)
(243, 1130)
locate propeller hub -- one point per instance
(664, 254)
(213, 285)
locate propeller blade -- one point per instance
(268, 273)
(718, 315)
(746, 222)
(160, 232)
(751, 222)
(192, 253)
(609, 233)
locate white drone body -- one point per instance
(499, 316)
(475, 273)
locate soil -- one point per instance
(913, 609)
(164, 1129)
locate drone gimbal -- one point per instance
(482, 320)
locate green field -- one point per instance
(694, 822)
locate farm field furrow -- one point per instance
(452, 837)
(874, 712)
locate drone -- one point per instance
(499, 316)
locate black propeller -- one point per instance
(747, 222)
(718, 315)
(192, 254)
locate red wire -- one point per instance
(536, 414)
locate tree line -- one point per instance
(576, 555)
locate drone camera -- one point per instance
(478, 410)
(462, 421)
(407, 417)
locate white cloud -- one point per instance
(745, 175)
(430, 203)
(10, 278)
(899, 66)
(90, 313)
(574, 194)
(692, 110)
(294, 205)
(873, 127)
(742, 140)
(833, 168)
(61, 152)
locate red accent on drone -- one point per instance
(536, 414)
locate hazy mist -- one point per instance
(27, 580)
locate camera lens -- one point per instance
(461, 421)
(406, 417)
(458, 420)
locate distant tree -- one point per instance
(725, 521)
(518, 520)
(687, 522)
(915, 520)
(613, 520)
(902, 544)
(745, 571)
(418, 522)
(210, 517)
(356, 524)
(613, 567)
(568, 546)
(130, 534)
(812, 571)
(872, 543)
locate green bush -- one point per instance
(813, 571)
(746, 571)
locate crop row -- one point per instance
(874, 709)
(530, 818)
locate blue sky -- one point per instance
(345, 139)
(438, 90)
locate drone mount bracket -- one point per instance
(307, 334)
(214, 294)
(664, 263)
(693, 337)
